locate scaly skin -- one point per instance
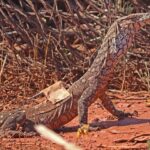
(89, 87)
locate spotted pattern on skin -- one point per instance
(83, 80)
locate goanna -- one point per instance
(87, 89)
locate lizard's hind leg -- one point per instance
(109, 106)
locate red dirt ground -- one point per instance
(129, 133)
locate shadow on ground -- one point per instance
(108, 124)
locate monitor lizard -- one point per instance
(92, 85)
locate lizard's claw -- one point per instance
(83, 130)
(122, 115)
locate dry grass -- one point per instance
(49, 41)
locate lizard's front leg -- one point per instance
(83, 112)
(83, 103)
(107, 103)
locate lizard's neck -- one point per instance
(117, 41)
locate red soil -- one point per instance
(121, 134)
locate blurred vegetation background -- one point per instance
(43, 41)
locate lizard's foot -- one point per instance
(121, 115)
(84, 129)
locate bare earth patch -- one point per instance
(129, 133)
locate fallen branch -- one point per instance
(133, 138)
(3, 66)
(122, 147)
